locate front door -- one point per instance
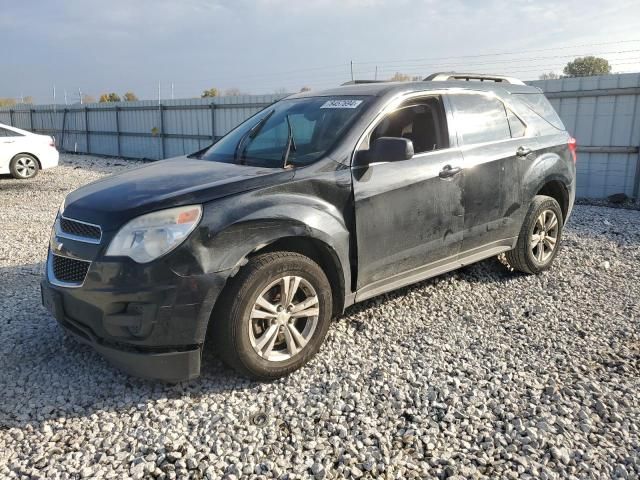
(409, 214)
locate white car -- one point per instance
(23, 154)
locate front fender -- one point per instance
(234, 227)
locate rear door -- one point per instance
(407, 215)
(492, 186)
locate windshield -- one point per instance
(289, 132)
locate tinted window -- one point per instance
(421, 120)
(515, 124)
(317, 123)
(541, 106)
(480, 118)
(4, 132)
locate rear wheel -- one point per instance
(539, 238)
(24, 166)
(274, 316)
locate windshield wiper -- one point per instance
(251, 134)
(291, 143)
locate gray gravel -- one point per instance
(476, 373)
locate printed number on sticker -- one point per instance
(341, 104)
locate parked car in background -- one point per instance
(23, 154)
(319, 201)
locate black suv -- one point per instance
(317, 202)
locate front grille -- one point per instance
(80, 229)
(69, 270)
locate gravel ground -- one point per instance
(477, 373)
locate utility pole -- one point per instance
(80, 95)
(352, 70)
(54, 94)
(65, 96)
(376, 76)
(171, 90)
(158, 92)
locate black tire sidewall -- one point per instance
(546, 203)
(14, 172)
(247, 292)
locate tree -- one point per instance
(586, 66)
(7, 102)
(88, 99)
(305, 89)
(130, 97)
(109, 97)
(402, 77)
(232, 92)
(549, 76)
(212, 92)
(28, 100)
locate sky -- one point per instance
(268, 46)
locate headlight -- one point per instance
(149, 236)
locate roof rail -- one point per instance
(482, 77)
(358, 82)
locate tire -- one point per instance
(24, 166)
(527, 258)
(240, 333)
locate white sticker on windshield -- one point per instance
(341, 104)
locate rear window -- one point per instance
(541, 106)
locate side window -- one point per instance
(515, 125)
(4, 132)
(480, 118)
(420, 120)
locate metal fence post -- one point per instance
(636, 180)
(86, 129)
(11, 117)
(64, 120)
(31, 119)
(160, 109)
(118, 129)
(213, 122)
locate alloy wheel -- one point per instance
(284, 318)
(26, 167)
(545, 236)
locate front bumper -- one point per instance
(170, 366)
(151, 324)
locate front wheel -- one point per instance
(274, 316)
(539, 238)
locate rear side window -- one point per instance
(541, 106)
(515, 124)
(4, 132)
(480, 118)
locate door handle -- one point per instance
(523, 151)
(449, 171)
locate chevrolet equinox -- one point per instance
(319, 201)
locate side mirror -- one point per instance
(387, 149)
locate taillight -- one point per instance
(573, 147)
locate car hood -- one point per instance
(114, 200)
